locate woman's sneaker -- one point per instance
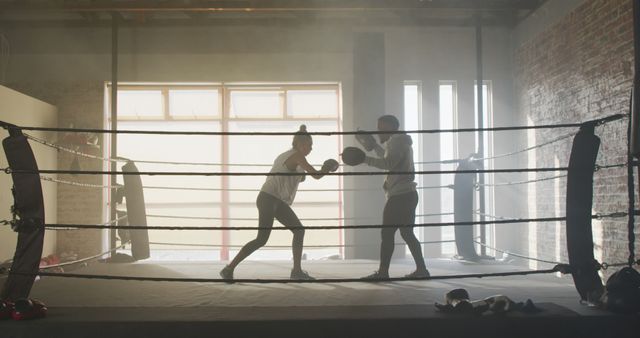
(300, 275)
(227, 274)
(419, 274)
(376, 275)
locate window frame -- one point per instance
(224, 117)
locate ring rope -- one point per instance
(302, 219)
(116, 220)
(9, 170)
(101, 186)
(286, 281)
(520, 182)
(610, 166)
(458, 160)
(119, 159)
(449, 186)
(101, 224)
(501, 220)
(275, 247)
(83, 260)
(489, 215)
(613, 214)
(330, 227)
(605, 266)
(430, 187)
(526, 149)
(599, 121)
(518, 255)
(78, 184)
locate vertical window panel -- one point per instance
(412, 121)
(487, 138)
(448, 150)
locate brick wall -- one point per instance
(578, 69)
(80, 104)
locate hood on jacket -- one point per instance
(400, 139)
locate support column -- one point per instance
(114, 122)
(480, 119)
(368, 104)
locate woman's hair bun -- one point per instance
(303, 128)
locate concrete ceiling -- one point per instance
(262, 12)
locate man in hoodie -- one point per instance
(395, 155)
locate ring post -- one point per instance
(28, 212)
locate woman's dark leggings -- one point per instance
(270, 208)
(400, 210)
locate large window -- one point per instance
(413, 121)
(448, 117)
(487, 151)
(228, 200)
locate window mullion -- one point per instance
(285, 114)
(165, 97)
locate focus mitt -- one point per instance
(352, 156)
(367, 141)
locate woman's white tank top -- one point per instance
(283, 187)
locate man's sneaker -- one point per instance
(419, 274)
(25, 309)
(300, 275)
(227, 273)
(376, 275)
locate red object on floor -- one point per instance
(49, 260)
(6, 308)
(25, 309)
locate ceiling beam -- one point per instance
(263, 22)
(269, 5)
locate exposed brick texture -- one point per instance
(579, 69)
(79, 104)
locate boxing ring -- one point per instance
(166, 299)
(288, 310)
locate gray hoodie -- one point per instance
(397, 155)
